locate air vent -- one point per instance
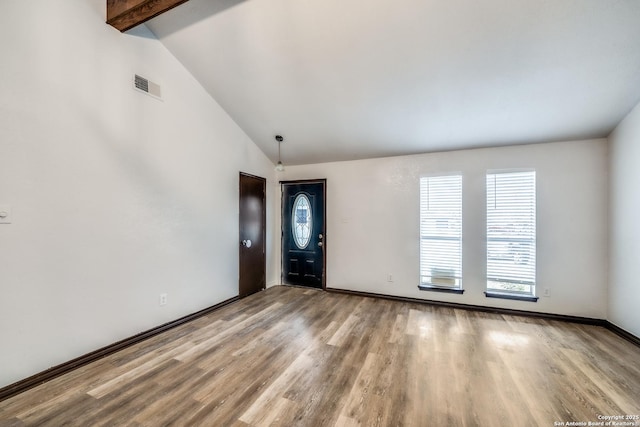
(144, 85)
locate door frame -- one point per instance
(322, 181)
(264, 226)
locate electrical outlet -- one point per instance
(547, 292)
(163, 299)
(5, 214)
(389, 277)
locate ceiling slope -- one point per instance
(357, 79)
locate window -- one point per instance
(301, 224)
(511, 234)
(441, 232)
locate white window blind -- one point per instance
(511, 232)
(441, 231)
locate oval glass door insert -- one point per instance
(302, 221)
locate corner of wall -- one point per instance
(623, 290)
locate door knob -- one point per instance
(320, 244)
(246, 243)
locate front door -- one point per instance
(252, 235)
(303, 233)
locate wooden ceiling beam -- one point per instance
(126, 14)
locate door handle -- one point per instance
(246, 243)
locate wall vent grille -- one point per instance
(145, 85)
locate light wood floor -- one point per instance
(290, 356)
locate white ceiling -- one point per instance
(352, 79)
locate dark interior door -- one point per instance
(252, 234)
(303, 233)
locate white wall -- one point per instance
(624, 229)
(373, 223)
(117, 197)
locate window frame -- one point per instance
(299, 238)
(456, 287)
(530, 254)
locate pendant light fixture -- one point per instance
(279, 166)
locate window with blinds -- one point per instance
(511, 233)
(441, 231)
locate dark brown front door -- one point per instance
(252, 234)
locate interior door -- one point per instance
(252, 241)
(303, 233)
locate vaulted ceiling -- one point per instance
(351, 79)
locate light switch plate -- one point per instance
(5, 214)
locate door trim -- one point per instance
(322, 181)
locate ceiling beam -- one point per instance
(126, 14)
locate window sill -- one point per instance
(440, 289)
(511, 296)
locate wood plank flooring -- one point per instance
(296, 357)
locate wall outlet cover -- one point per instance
(5, 214)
